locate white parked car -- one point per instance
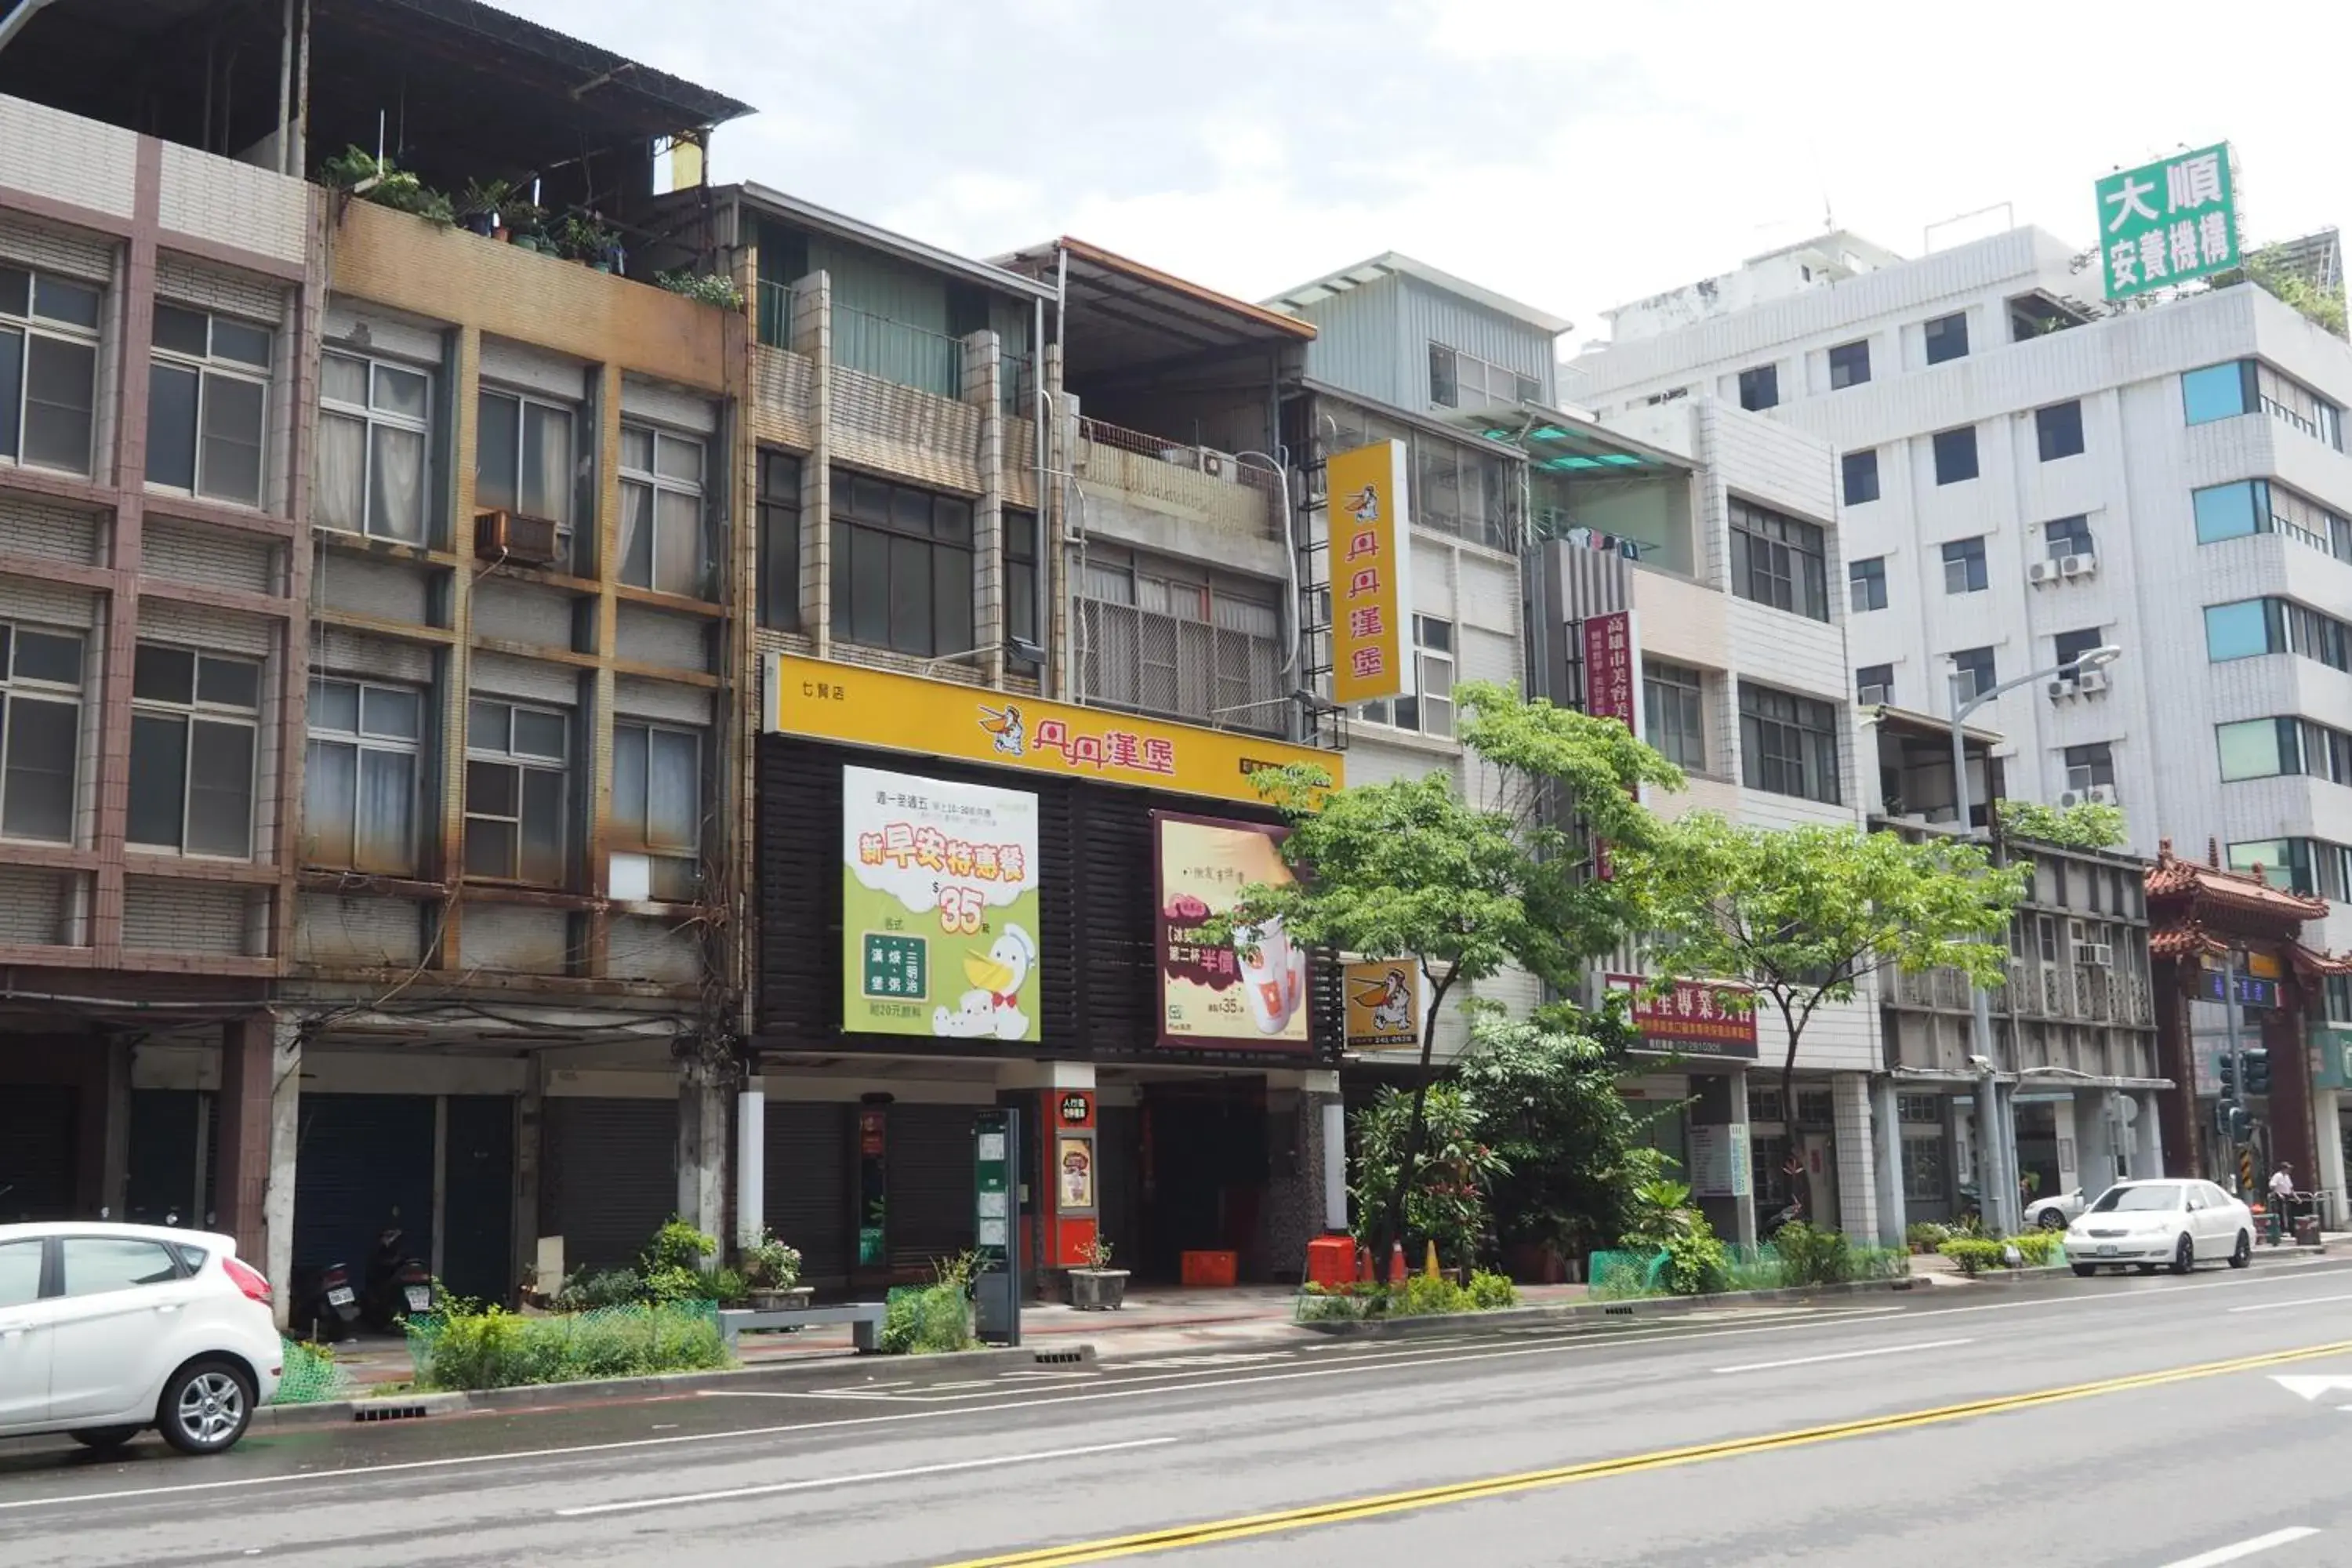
(108, 1330)
(2054, 1214)
(2161, 1220)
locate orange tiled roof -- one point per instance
(2172, 878)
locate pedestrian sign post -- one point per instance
(2167, 221)
(996, 1225)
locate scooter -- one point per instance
(325, 1299)
(1780, 1220)
(398, 1285)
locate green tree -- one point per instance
(1801, 915)
(2089, 825)
(1466, 877)
(1448, 1202)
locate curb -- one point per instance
(623, 1390)
(1577, 1312)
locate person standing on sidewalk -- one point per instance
(2282, 1201)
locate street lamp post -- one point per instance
(1996, 1182)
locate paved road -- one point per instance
(2121, 1421)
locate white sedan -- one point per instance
(108, 1330)
(2166, 1220)
(2054, 1214)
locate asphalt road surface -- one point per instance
(2157, 1422)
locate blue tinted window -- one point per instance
(2237, 631)
(2217, 392)
(2227, 512)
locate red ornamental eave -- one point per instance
(2184, 896)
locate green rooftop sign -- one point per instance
(2167, 222)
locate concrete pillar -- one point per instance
(702, 1132)
(810, 334)
(2147, 1158)
(114, 1168)
(1857, 1180)
(285, 1142)
(243, 1181)
(2327, 1138)
(1297, 1205)
(1743, 1179)
(983, 369)
(2095, 1167)
(530, 1152)
(750, 1161)
(2070, 1148)
(1886, 1118)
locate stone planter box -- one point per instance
(1097, 1290)
(791, 1298)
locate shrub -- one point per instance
(1814, 1256)
(2039, 1248)
(934, 1319)
(1420, 1296)
(1492, 1292)
(1974, 1254)
(1926, 1236)
(473, 1346)
(608, 1288)
(1695, 1264)
(710, 288)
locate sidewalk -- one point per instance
(1155, 1321)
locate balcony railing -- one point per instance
(1219, 490)
(1155, 663)
(895, 350)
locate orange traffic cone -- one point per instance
(1429, 1263)
(1396, 1262)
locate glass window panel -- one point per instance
(158, 763)
(343, 379)
(62, 299)
(542, 826)
(952, 629)
(47, 656)
(20, 1273)
(220, 789)
(396, 484)
(952, 517)
(911, 509)
(12, 377)
(1861, 475)
(43, 744)
(492, 789)
(629, 780)
(231, 682)
(2251, 750)
(637, 448)
(100, 1265)
(487, 725)
(241, 342)
(387, 711)
(910, 599)
(547, 463)
(538, 733)
(496, 446)
(16, 292)
(163, 674)
(680, 459)
(338, 473)
(385, 834)
(637, 534)
(673, 792)
(2226, 512)
(171, 427)
(1956, 455)
(489, 847)
(2236, 631)
(869, 567)
(329, 797)
(60, 391)
(400, 392)
(868, 499)
(2216, 392)
(182, 331)
(677, 543)
(232, 424)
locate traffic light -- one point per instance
(2242, 1123)
(2229, 1076)
(2258, 1070)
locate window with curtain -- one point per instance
(779, 540)
(518, 792)
(522, 460)
(360, 776)
(1673, 712)
(657, 802)
(1779, 560)
(1788, 743)
(48, 369)
(902, 567)
(208, 404)
(663, 534)
(40, 731)
(193, 727)
(370, 473)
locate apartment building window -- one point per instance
(2265, 748)
(1865, 583)
(40, 739)
(2058, 430)
(2067, 536)
(2312, 866)
(1948, 337)
(901, 567)
(1431, 708)
(2245, 387)
(779, 540)
(1464, 493)
(1759, 388)
(1975, 668)
(207, 404)
(1445, 385)
(1673, 709)
(1779, 560)
(1788, 743)
(1924, 1170)
(663, 543)
(1176, 639)
(2068, 646)
(374, 431)
(1956, 455)
(1873, 684)
(518, 792)
(2290, 401)
(2090, 766)
(359, 779)
(1964, 566)
(1849, 364)
(657, 803)
(194, 725)
(522, 460)
(2261, 506)
(1458, 380)
(2217, 392)
(1860, 470)
(48, 369)
(1022, 621)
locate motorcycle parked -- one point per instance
(325, 1300)
(399, 1285)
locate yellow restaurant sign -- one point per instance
(898, 713)
(1372, 574)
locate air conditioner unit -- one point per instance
(511, 536)
(2061, 689)
(1215, 464)
(2100, 794)
(2041, 570)
(2090, 680)
(2098, 954)
(2068, 799)
(2079, 565)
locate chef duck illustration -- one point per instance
(993, 1007)
(1391, 1001)
(1005, 728)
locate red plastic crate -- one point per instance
(1331, 1260)
(1212, 1269)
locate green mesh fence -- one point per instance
(497, 1349)
(1627, 1276)
(312, 1377)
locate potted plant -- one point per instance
(772, 1274)
(587, 239)
(1097, 1287)
(483, 207)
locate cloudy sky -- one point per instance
(1570, 155)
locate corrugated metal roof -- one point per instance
(1394, 264)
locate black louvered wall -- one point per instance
(1099, 989)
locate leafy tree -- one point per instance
(2088, 825)
(1457, 1169)
(2272, 267)
(1466, 878)
(1801, 915)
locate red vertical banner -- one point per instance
(1613, 688)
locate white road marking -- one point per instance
(1126, 1389)
(1845, 1355)
(2311, 1388)
(2300, 1301)
(732, 1493)
(2219, 1555)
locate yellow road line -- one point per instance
(1212, 1531)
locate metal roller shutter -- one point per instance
(610, 1178)
(36, 1150)
(807, 1194)
(1119, 1144)
(931, 1182)
(364, 1161)
(162, 1178)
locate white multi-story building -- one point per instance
(2024, 477)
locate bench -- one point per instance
(865, 1319)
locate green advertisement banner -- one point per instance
(939, 907)
(2167, 222)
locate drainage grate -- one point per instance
(389, 1413)
(1059, 1358)
(1616, 1311)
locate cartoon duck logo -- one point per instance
(1005, 724)
(1391, 1001)
(993, 1007)
(1364, 506)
